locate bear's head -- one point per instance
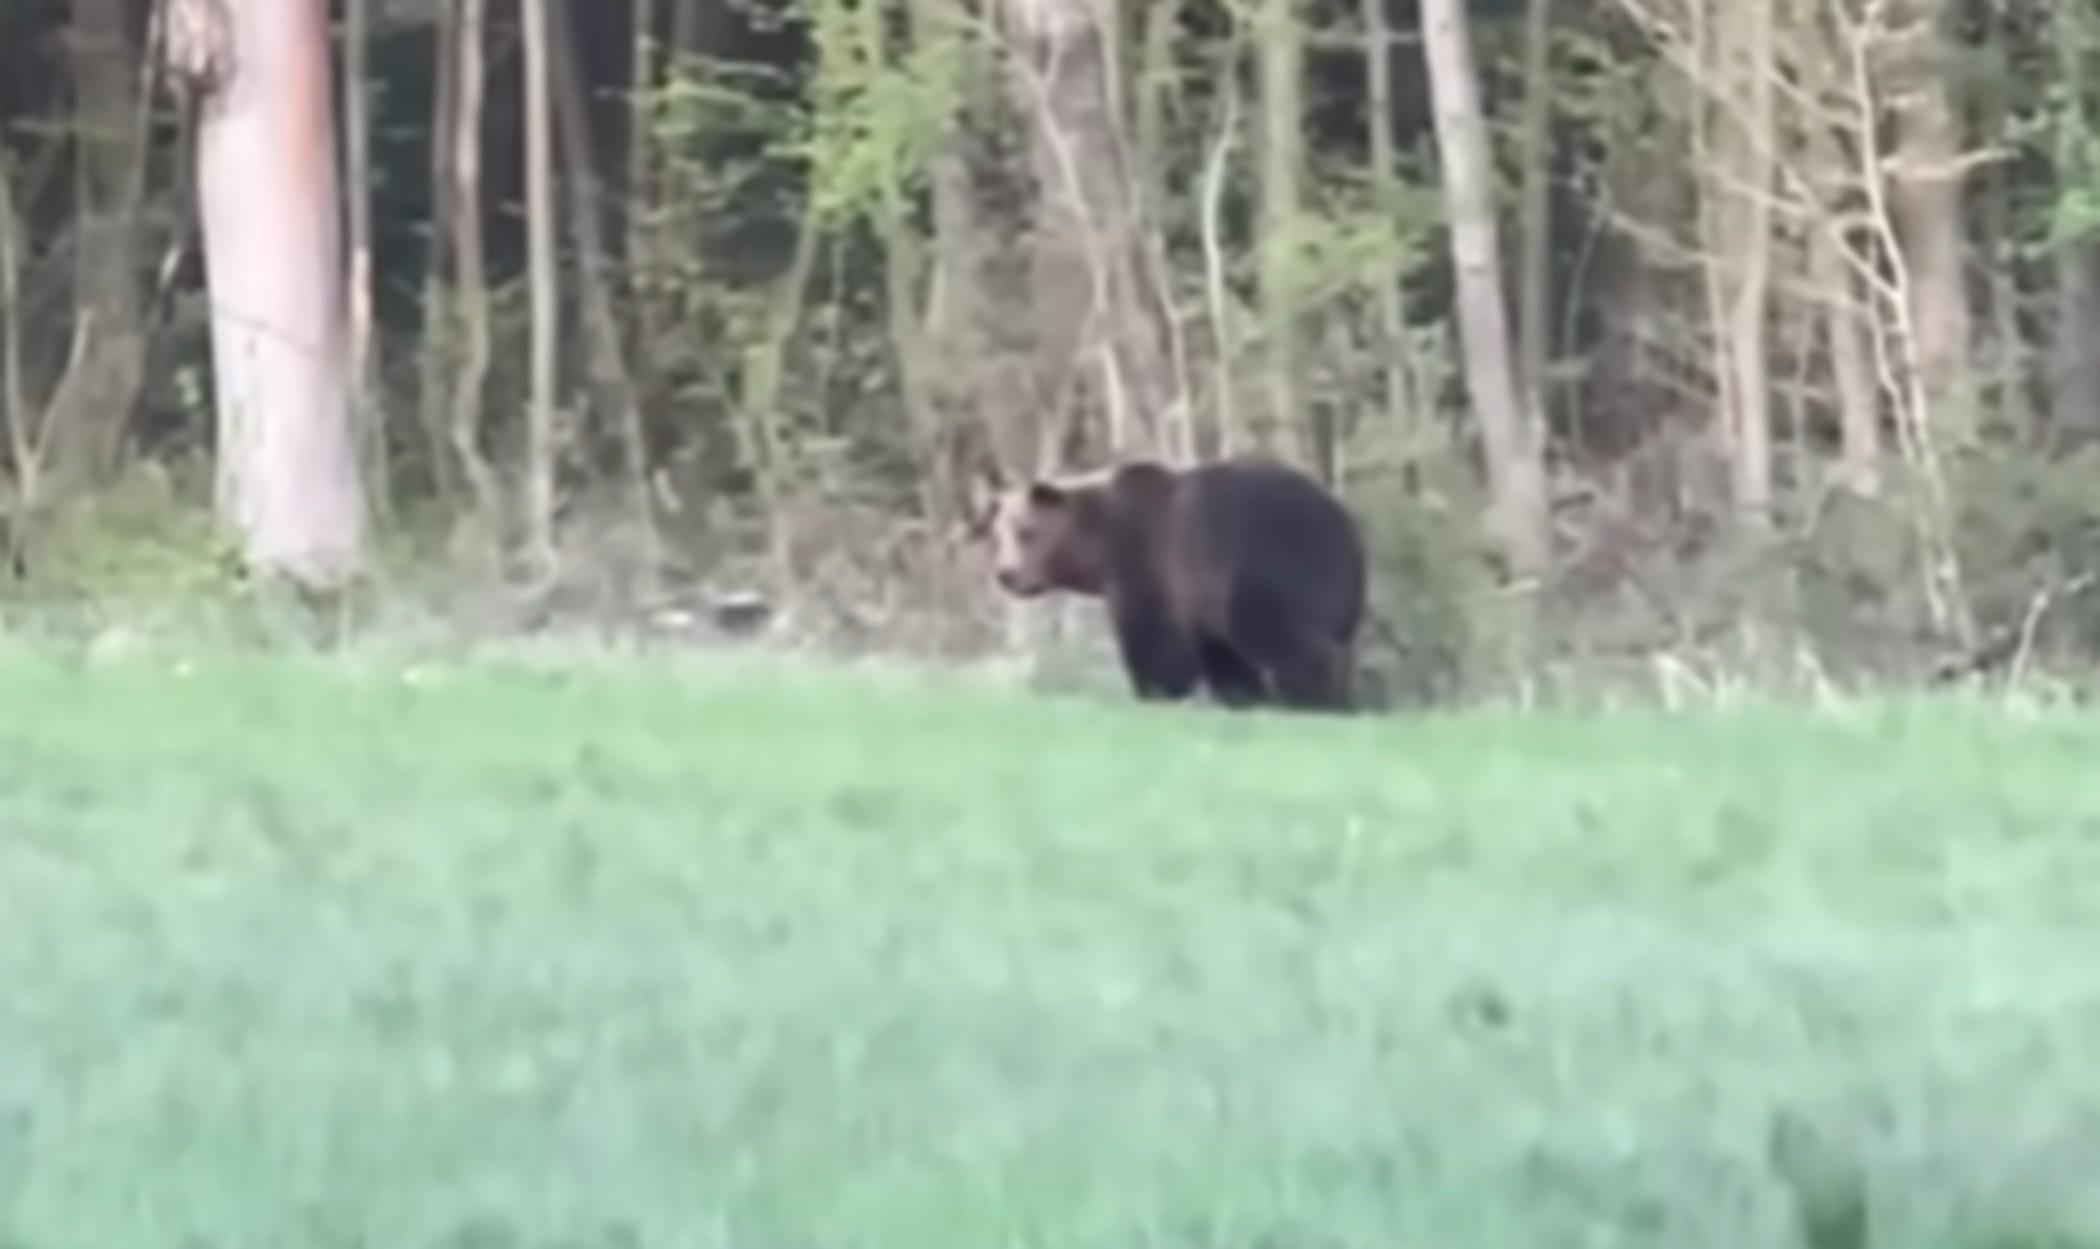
(1047, 535)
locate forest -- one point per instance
(1652, 341)
(510, 736)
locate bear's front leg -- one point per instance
(1158, 657)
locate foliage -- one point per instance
(877, 116)
(1436, 631)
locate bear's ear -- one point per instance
(1044, 494)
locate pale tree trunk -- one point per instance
(952, 344)
(1516, 472)
(266, 177)
(614, 382)
(902, 262)
(88, 416)
(2075, 404)
(14, 398)
(1926, 199)
(1378, 55)
(1851, 365)
(470, 263)
(1536, 261)
(1280, 57)
(434, 366)
(539, 234)
(369, 415)
(1742, 249)
(2001, 240)
(641, 186)
(1155, 91)
(1918, 232)
(1104, 349)
(1848, 309)
(2074, 407)
(24, 429)
(1216, 167)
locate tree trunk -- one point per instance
(640, 251)
(902, 259)
(434, 366)
(614, 383)
(1216, 163)
(1378, 54)
(1536, 261)
(368, 414)
(1744, 248)
(1851, 365)
(1105, 356)
(1516, 473)
(1848, 309)
(1156, 90)
(14, 399)
(952, 341)
(2074, 403)
(1926, 199)
(88, 418)
(1280, 57)
(470, 262)
(640, 143)
(266, 177)
(539, 232)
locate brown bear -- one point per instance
(1245, 576)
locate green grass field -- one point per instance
(639, 953)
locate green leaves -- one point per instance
(877, 112)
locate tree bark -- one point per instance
(1848, 309)
(1926, 198)
(614, 382)
(1224, 342)
(1280, 56)
(640, 143)
(2074, 402)
(1516, 473)
(470, 277)
(1536, 261)
(1155, 92)
(266, 177)
(14, 398)
(1106, 355)
(908, 322)
(1378, 55)
(1745, 248)
(434, 366)
(639, 250)
(1851, 365)
(369, 416)
(89, 416)
(952, 343)
(540, 277)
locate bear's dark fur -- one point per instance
(1245, 576)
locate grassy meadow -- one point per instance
(647, 951)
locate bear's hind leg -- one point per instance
(1314, 676)
(1159, 659)
(1307, 670)
(1232, 680)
